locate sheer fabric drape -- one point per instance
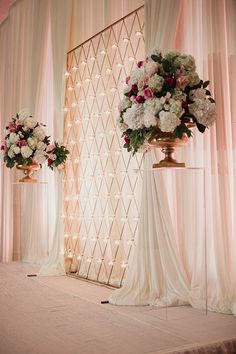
(23, 36)
(205, 29)
(34, 46)
(60, 21)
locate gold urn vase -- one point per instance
(167, 143)
(28, 171)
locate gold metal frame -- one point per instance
(102, 181)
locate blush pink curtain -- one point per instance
(206, 29)
(33, 47)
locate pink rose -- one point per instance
(127, 80)
(22, 143)
(50, 148)
(182, 82)
(139, 99)
(147, 93)
(12, 127)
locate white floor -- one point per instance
(63, 315)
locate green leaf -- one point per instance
(156, 58)
(205, 84)
(181, 130)
(200, 127)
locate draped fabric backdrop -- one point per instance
(205, 29)
(32, 44)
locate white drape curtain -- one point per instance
(60, 24)
(206, 29)
(33, 41)
(23, 46)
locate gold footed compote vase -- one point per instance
(168, 144)
(28, 171)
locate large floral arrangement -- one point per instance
(162, 95)
(26, 142)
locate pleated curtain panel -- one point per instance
(157, 275)
(164, 270)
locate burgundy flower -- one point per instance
(184, 104)
(127, 80)
(139, 99)
(3, 148)
(134, 88)
(126, 139)
(22, 143)
(170, 81)
(19, 127)
(140, 64)
(50, 161)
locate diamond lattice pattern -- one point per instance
(102, 181)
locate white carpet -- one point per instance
(62, 315)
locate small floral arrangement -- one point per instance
(57, 155)
(26, 143)
(163, 95)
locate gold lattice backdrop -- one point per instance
(102, 181)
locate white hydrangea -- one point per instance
(125, 103)
(165, 99)
(176, 107)
(149, 119)
(16, 150)
(193, 78)
(30, 122)
(134, 117)
(26, 151)
(204, 111)
(39, 133)
(13, 138)
(153, 105)
(156, 82)
(179, 95)
(22, 116)
(11, 153)
(198, 93)
(40, 156)
(168, 121)
(41, 146)
(151, 67)
(136, 76)
(32, 142)
(188, 62)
